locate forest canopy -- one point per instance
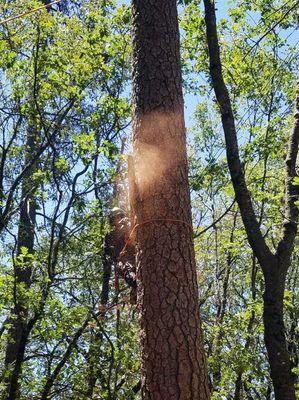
(101, 260)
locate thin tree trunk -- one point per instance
(249, 337)
(172, 354)
(17, 335)
(20, 328)
(275, 340)
(221, 311)
(72, 344)
(95, 343)
(274, 266)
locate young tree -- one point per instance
(274, 265)
(173, 361)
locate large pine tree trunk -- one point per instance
(173, 362)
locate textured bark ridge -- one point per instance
(173, 363)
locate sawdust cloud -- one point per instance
(158, 148)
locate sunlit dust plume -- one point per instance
(159, 148)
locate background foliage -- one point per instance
(65, 76)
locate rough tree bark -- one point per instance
(274, 265)
(173, 362)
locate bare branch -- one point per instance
(216, 221)
(24, 14)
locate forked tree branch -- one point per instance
(243, 197)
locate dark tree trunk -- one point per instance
(173, 362)
(94, 372)
(274, 266)
(238, 387)
(275, 339)
(220, 314)
(52, 378)
(17, 335)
